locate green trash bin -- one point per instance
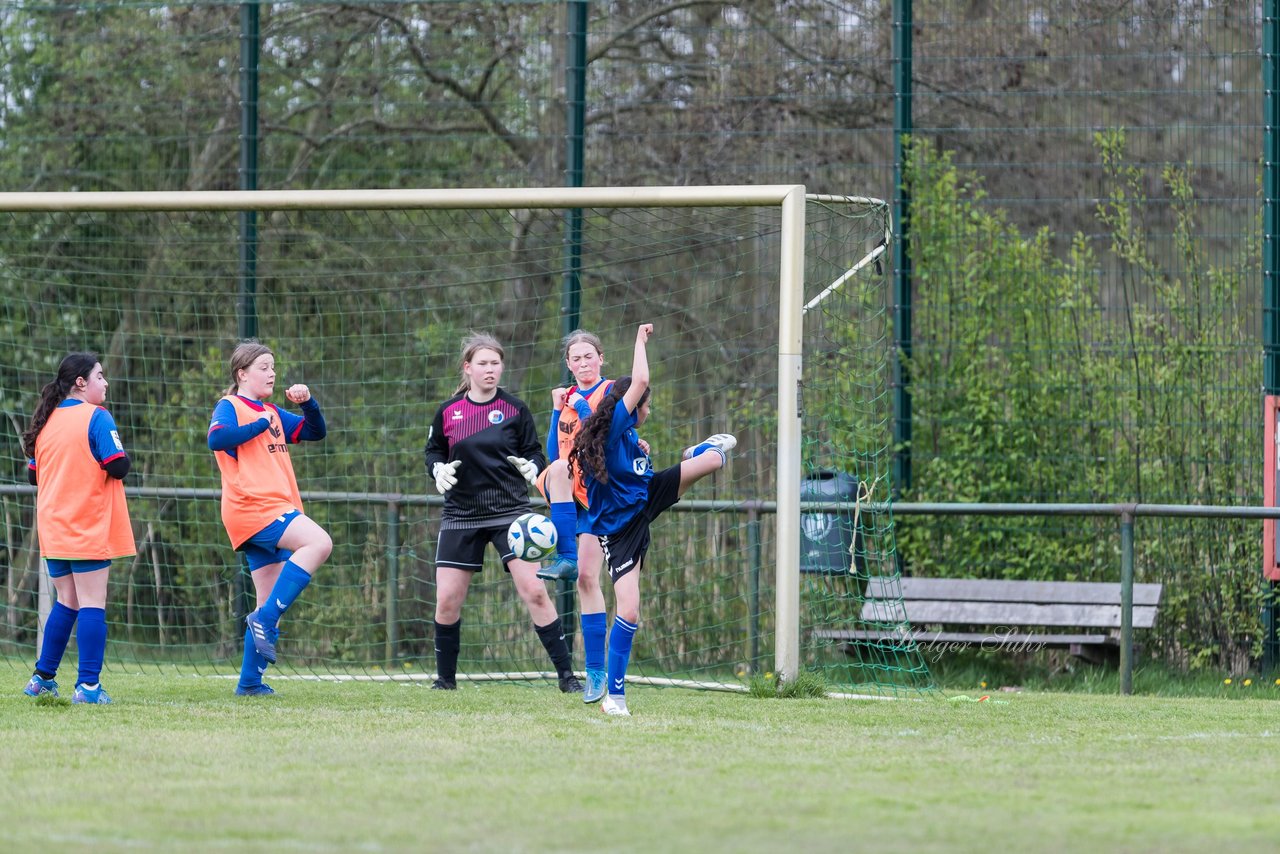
(829, 545)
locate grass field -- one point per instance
(179, 763)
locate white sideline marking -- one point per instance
(532, 675)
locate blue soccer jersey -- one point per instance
(613, 504)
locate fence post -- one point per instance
(575, 96)
(1270, 280)
(903, 127)
(753, 585)
(1126, 599)
(1270, 631)
(393, 580)
(250, 55)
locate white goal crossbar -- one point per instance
(789, 198)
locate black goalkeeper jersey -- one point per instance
(489, 491)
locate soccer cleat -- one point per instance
(570, 684)
(596, 680)
(264, 639)
(616, 705)
(259, 690)
(39, 685)
(563, 569)
(722, 442)
(93, 696)
(444, 685)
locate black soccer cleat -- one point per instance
(570, 684)
(444, 685)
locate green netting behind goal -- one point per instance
(368, 307)
(853, 623)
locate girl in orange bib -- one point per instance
(78, 463)
(580, 558)
(261, 507)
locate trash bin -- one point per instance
(828, 543)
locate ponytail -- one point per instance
(243, 356)
(73, 367)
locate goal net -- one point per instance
(365, 296)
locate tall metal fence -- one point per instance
(148, 96)
(1084, 185)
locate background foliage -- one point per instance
(1017, 399)
(1085, 223)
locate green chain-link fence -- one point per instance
(1084, 182)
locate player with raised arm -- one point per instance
(261, 507)
(483, 453)
(580, 557)
(625, 496)
(77, 463)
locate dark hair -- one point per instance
(73, 367)
(244, 355)
(588, 444)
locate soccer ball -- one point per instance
(532, 537)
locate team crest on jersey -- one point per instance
(495, 417)
(640, 465)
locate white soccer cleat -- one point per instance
(616, 705)
(722, 442)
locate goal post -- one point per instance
(359, 297)
(790, 375)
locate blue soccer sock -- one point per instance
(252, 666)
(91, 639)
(564, 515)
(593, 631)
(620, 654)
(703, 447)
(292, 581)
(57, 632)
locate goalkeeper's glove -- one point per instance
(446, 475)
(527, 469)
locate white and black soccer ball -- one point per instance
(532, 537)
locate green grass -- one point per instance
(179, 763)
(1062, 673)
(806, 685)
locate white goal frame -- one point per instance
(789, 198)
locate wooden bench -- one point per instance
(1015, 615)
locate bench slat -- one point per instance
(986, 641)
(917, 612)
(1043, 592)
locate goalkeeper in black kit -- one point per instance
(483, 453)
